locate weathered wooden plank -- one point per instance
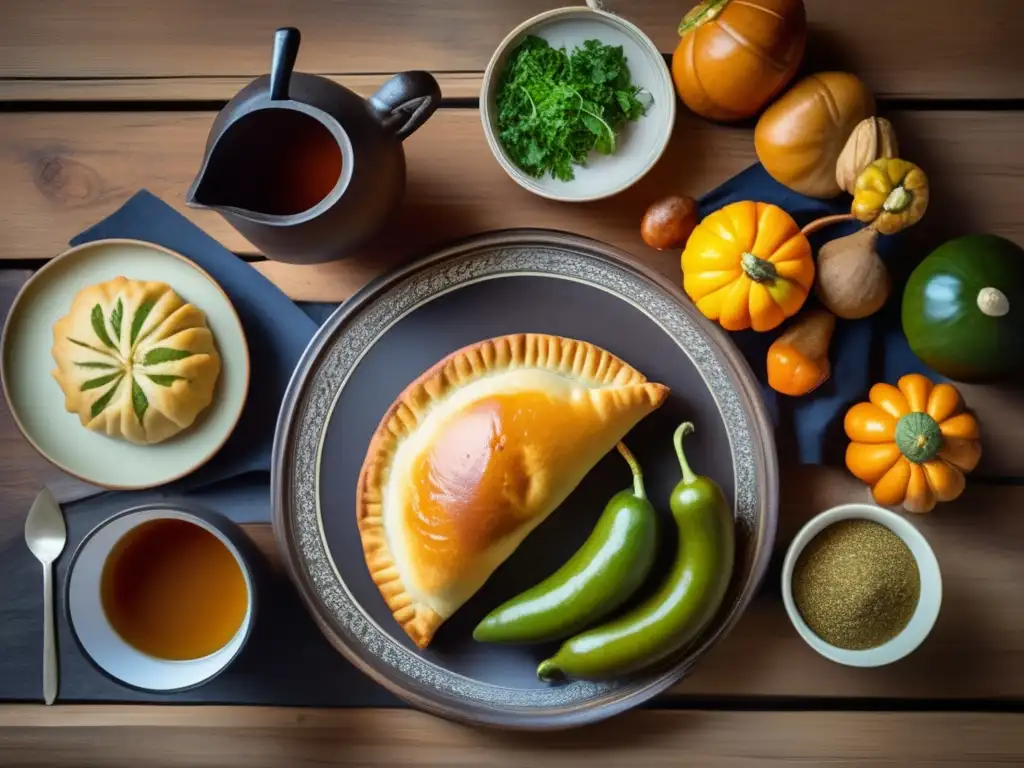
(255, 737)
(64, 171)
(454, 85)
(193, 49)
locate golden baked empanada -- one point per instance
(134, 360)
(476, 453)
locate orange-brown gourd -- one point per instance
(912, 443)
(734, 56)
(748, 265)
(799, 138)
(798, 359)
(173, 590)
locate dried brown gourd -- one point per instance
(852, 280)
(873, 138)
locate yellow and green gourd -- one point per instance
(134, 360)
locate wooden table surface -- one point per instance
(99, 98)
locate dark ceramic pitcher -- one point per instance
(305, 168)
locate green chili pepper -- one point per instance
(610, 566)
(683, 605)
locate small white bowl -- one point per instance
(640, 142)
(98, 638)
(920, 623)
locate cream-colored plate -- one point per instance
(37, 402)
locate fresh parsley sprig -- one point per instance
(555, 107)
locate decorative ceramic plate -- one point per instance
(37, 402)
(397, 327)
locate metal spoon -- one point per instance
(46, 535)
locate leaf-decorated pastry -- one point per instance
(475, 454)
(134, 360)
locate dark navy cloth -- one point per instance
(277, 330)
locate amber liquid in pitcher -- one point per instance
(173, 590)
(274, 161)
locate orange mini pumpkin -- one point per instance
(747, 265)
(912, 443)
(734, 56)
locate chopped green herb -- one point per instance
(96, 365)
(163, 379)
(116, 317)
(103, 402)
(139, 400)
(98, 327)
(140, 317)
(99, 382)
(555, 107)
(164, 355)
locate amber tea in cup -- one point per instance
(160, 597)
(173, 590)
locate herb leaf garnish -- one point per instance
(139, 400)
(163, 379)
(164, 355)
(99, 382)
(555, 107)
(99, 328)
(116, 317)
(103, 402)
(140, 317)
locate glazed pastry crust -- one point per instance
(134, 360)
(599, 391)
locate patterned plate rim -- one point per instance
(321, 374)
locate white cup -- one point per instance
(924, 616)
(99, 639)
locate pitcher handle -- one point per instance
(405, 102)
(286, 49)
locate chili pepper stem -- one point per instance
(826, 221)
(684, 429)
(634, 466)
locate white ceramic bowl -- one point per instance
(101, 642)
(920, 623)
(640, 142)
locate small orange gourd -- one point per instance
(748, 265)
(734, 56)
(912, 443)
(798, 359)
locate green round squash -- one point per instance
(963, 308)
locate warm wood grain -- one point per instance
(62, 172)
(192, 49)
(252, 737)
(214, 88)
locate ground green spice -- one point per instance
(856, 584)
